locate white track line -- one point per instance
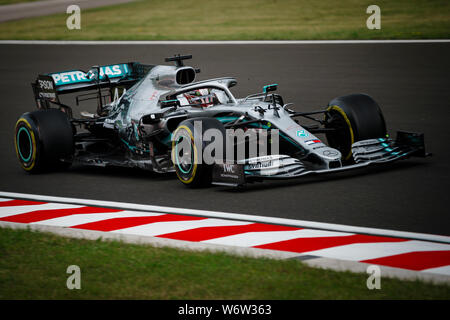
(77, 219)
(439, 270)
(366, 251)
(159, 228)
(235, 216)
(231, 42)
(251, 239)
(10, 211)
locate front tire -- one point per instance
(190, 167)
(44, 140)
(353, 117)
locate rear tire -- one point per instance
(354, 117)
(193, 173)
(44, 140)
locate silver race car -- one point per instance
(157, 117)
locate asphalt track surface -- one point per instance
(409, 81)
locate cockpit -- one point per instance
(201, 97)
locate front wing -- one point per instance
(366, 152)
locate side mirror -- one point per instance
(270, 87)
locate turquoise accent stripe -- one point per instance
(256, 125)
(136, 135)
(128, 145)
(290, 141)
(269, 85)
(29, 141)
(133, 148)
(226, 119)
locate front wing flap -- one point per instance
(384, 150)
(365, 152)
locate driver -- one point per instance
(201, 97)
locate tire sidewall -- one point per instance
(200, 174)
(32, 161)
(51, 136)
(363, 118)
(185, 131)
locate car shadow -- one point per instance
(121, 172)
(140, 174)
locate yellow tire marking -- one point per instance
(33, 141)
(352, 136)
(194, 170)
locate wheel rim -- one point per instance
(183, 166)
(24, 144)
(343, 137)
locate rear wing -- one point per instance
(48, 87)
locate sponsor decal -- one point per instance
(312, 141)
(78, 76)
(228, 168)
(47, 95)
(302, 133)
(264, 158)
(229, 173)
(259, 165)
(69, 77)
(46, 88)
(45, 84)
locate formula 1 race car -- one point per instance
(146, 112)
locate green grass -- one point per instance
(33, 266)
(242, 20)
(2, 2)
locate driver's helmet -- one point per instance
(200, 97)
